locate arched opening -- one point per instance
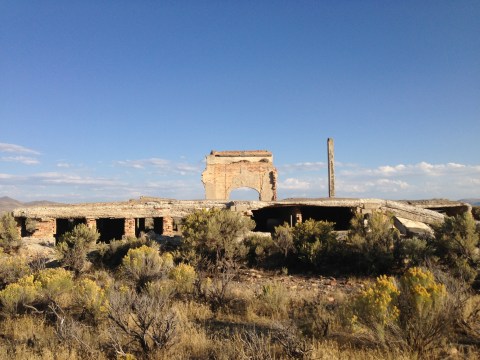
(244, 193)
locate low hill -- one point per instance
(8, 204)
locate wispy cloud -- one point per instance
(162, 165)
(63, 164)
(20, 159)
(72, 179)
(17, 149)
(302, 166)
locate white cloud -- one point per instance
(18, 149)
(293, 184)
(71, 179)
(143, 163)
(162, 165)
(20, 159)
(420, 180)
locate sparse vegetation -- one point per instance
(9, 237)
(74, 246)
(137, 301)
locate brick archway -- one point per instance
(229, 170)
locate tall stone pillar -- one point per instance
(331, 171)
(129, 227)
(91, 223)
(167, 226)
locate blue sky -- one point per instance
(110, 100)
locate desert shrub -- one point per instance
(425, 312)
(411, 251)
(10, 239)
(142, 322)
(112, 254)
(470, 317)
(30, 225)
(456, 243)
(371, 242)
(376, 307)
(92, 299)
(183, 276)
(17, 295)
(215, 234)
(12, 268)
(74, 246)
(43, 288)
(216, 238)
(273, 300)
(283, 239)
(56, 284)
(415, 312)
(262, 251)
(314, 242)
(144, 264)
(316, 317)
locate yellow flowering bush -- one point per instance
(12, 268)
(91, 298)
(377, 304)
(145, 264)
(56, 283)
(183, 276)
(416, 313)
(23, 292)
(422, 289)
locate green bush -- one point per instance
(371, 242)
(283, 239)
(74, 246)
(262, 251)
(456, 244)
(144, 264)
(10, 239)
(112, 254)
(314, 242)
(215, 234)
(412, 251)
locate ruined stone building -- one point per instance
(225, 171)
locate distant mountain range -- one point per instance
(473, 202)
(8, 204)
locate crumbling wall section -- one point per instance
(44, 228)
(229, 170)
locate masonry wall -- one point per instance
(230, 170)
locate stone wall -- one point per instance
(45, 228)
(229, 170)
